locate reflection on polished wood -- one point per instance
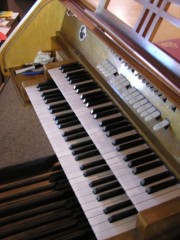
(151, 73)
(128, 13)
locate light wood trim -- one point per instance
(103, 4)
(32, 34)
(160, 222)
(148, 59)
(152, 15)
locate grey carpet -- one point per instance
(22, 138)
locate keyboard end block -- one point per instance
(160, 222)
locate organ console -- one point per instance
(111, 113)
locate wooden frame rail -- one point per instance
(160, 68)
(32, 34)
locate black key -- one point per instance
(87, 155)
(92, 101)
(50, 82)
(80, 144)
(54, 99)
(47, 86)
(134, 155)
(92, 164)
(119, 130)
(86, 89)
(70, 69)
(86, 84)
(65, 115)
(130, 144)
(91, 94)
(96, 170)
(45, 94)
(69, 65)
(68, 124)
(155, 178)
(79, 79)
(95, 102)
(97, 96)
(57, 105)
(117, 206)
(141, 160)
(73, 131)
(66, 120)
(102, 109)
(76, 136)
(79, 72)
(125, 139)
(106, 113)
(110, 194)
(160, 186)
(147, 167)
(115, 125)
(102, 180)
(110, 121)
(43, 88)
(106, 187)
(60, 109)
(122, 215)
(84, 149)
(53, 95)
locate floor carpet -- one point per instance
(22, 138)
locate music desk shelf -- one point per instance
(20, 81)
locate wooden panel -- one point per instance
(32, 34)
(18, 83)
(159, 221)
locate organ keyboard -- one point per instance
(150, 185)
(111, 114)
(79, 183)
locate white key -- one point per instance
(114, 159)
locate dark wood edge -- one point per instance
(153, 64)
(160, 220)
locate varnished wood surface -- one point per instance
(71, 167)
(12, 55)
(90, 59)
(143, 56)
(161, 219)
(18, 83)
(33, 34)
(75, 176)
(83, 51)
